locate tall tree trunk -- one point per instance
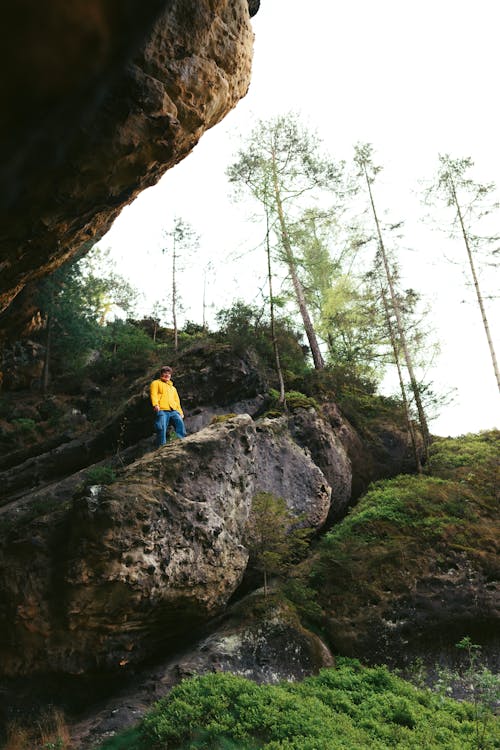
(476, 282)
(279, 371)
(318, 360)
(409, 421)
(174, 297)
(399, 322)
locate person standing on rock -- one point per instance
(167, 406)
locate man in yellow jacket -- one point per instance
(167, 406)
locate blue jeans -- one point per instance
(162, 420)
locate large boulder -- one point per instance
(103, 580)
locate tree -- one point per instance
(182, 240)
(282, 168)
(367, 171)
(469, 201)
(275, 537)
(74, 302)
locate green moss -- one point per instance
(294, 400)
(349, 707)
(403, 527)
(221, 418)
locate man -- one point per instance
(167, 406)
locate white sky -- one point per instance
(413, 79)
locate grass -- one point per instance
(49, 733)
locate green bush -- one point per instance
(125, 350)
(24, 425)
(471, 460)
(100, 475)
(246, 327)
(349, 707)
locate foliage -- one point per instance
(348, 707)
(100, 475)
(24, 425)
(470, 459)
(75, 301)
(294, 400)
(125, 350)
(247, 327)
(48, 732)
(404, 526)
(275, 537)
(478, 684)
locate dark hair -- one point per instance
(165, 369)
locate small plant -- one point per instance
(100, 475)
(49, 732)
(480, 685)
(120, 443)
(24, 425)
(275, 537)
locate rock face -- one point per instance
(104, 98)
(101, 581)
(426, 620)
(316, 435)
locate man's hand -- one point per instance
(156, 408)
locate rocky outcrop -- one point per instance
(426, 620)
(103, 98)
(316, 435)
(105, 578)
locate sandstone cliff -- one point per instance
(100, 100)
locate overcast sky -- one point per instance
(413, 79)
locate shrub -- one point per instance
(347, 707)
(24, 425)
(125, 349)
(100, 475)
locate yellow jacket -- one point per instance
(165, 396)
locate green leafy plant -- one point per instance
(24, 425)
(481, 686)
(100, 475)
(347, 707)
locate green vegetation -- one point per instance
(405, 528)
(294, 400)
(350, 707)
(275, 537)
(221, 418)
(100, 475)
(24, 424)
(246, 327)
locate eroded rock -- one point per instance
(100, 582)
(108, 97)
